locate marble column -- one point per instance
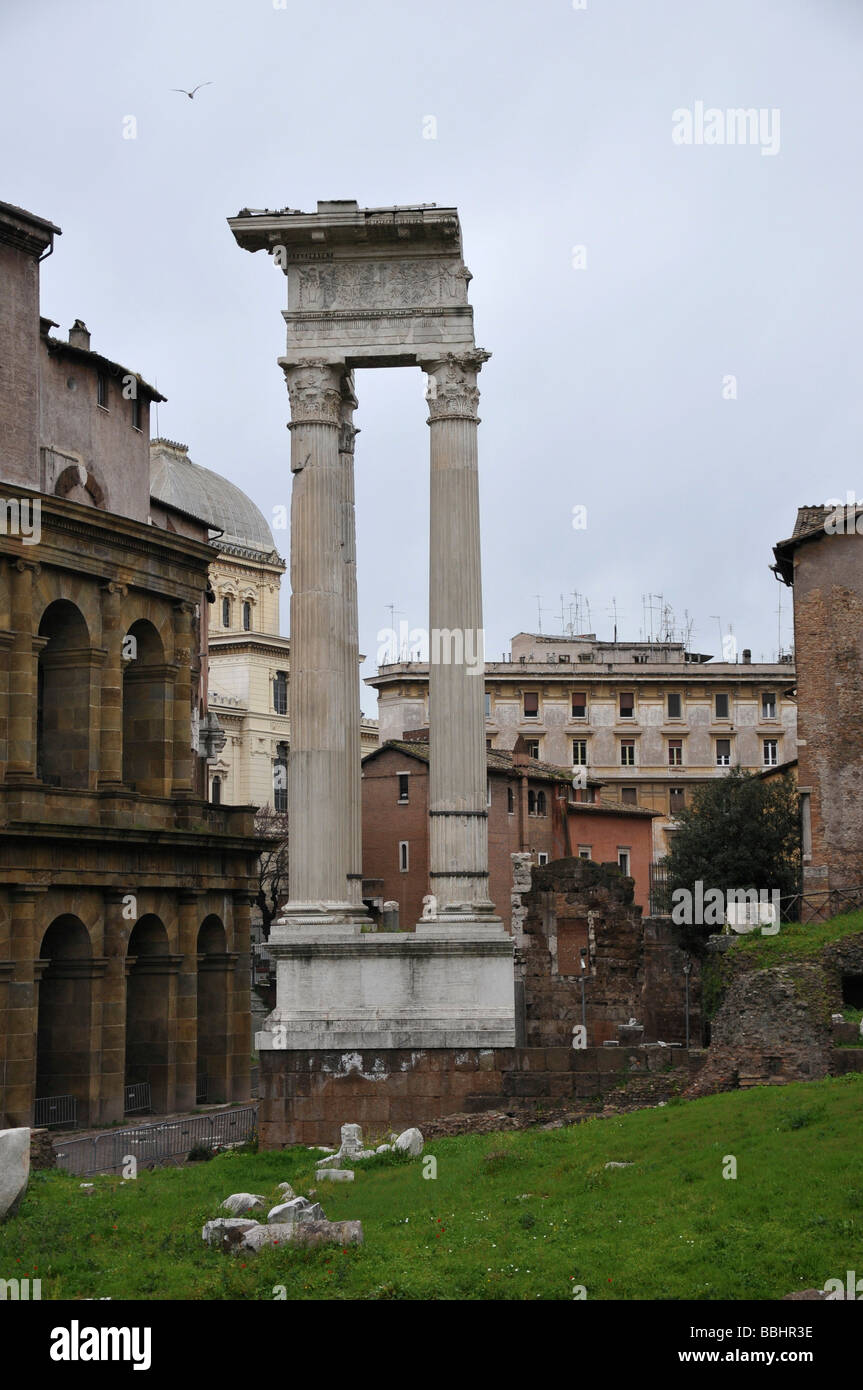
(353, 748)
(458, 814)
(319, 787)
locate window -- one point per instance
(532, 746)
(403, 786)
(639, 658)
(771, 752)
(403, 856)
(721, 706)
(488, 745)
(768, 706)
(676, 800)
(510, 800)
(675, 752)
(579, 752)
(627, 752)
(627, 704)
(579, 704)
(226, 612)
(623, 861)
(531, 704)
(540, 804)
(629, 796)
(136, 413)
(723, 752)
(216, 792)
(674, 706)
(102, 390)
(280, 692)
(280, 778)
(542, 858)
(247, 616)
(585, 851)
(531, 803)
(488, 704)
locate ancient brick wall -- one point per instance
(307, 1096)
(635, 967)
(828, 636)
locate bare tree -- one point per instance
(272, 826)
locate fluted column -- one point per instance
(458, 815)
(111, 709)
(353, 749)
(23, 674)
(318, 779)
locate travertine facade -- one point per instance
(124, 896)
(648, 722)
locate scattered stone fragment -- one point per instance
(305, 1233)
(618, 1165)
(226, 1232)
(14, 1168)
(242, 1201)
(410, 1141)
(331, 1162)
(806, 1295)
(384, 1149)
(287, 1212)
(287, 1191)
(334, 1175)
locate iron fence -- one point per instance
(137, 1099)
(793, 907)
(54, 1111)
(156, 1143)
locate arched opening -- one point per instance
(145, 740)
(63, 698)
(63, 1042)
(540, 804)
(226, 612)
(148, 995)
(213, 1030)
(216, 791)
(247, 616)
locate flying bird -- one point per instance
(191, 94)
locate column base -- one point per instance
(301, 918)
(447, 985)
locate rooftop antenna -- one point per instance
(539, 611)
(614, 613)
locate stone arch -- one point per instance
(63, 696)
(78, 484)
(149, 1053)
(214, 997)
(145, 709)
(64, 1052)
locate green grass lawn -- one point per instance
(796, 941)
(522, 1215)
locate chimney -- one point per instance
(79, 335)
(747, 656)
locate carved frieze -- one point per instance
(383, 284)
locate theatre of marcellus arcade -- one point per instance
(124, 896)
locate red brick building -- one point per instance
(532, 807)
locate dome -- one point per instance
(178, 482)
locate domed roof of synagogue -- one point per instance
(178, 482)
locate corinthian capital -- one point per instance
(452, 390)
(314, 388)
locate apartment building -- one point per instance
(652, 721)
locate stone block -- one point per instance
(14, 1169)
(334, 1175)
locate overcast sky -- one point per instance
(608, 386)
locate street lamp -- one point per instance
(687, 966)
(583, 1006)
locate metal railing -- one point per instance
(53, 1111)
(820, 906)
(156, 1143)
(137, 1099)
